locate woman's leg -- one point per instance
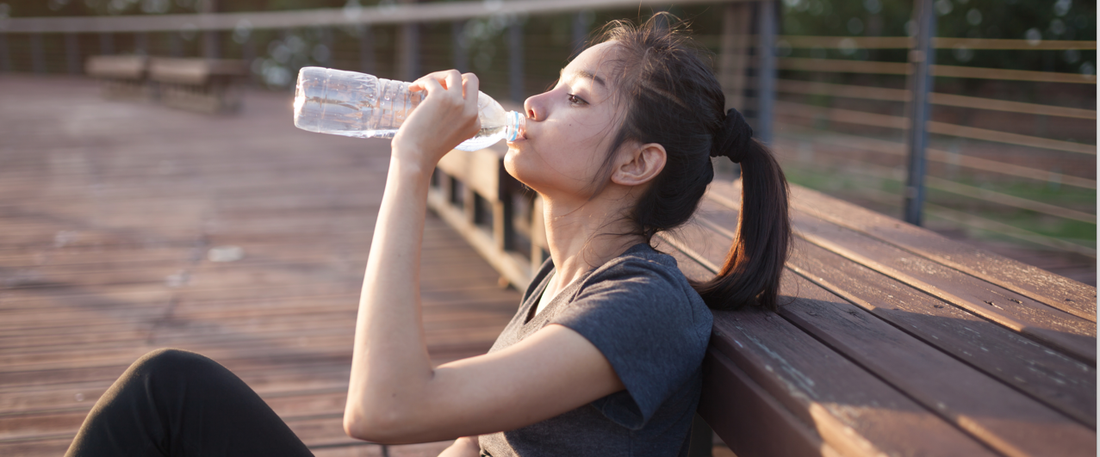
(178, 403)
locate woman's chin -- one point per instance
(518, 164)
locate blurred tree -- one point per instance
(1012, 19)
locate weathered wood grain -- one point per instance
(1066, 332)
(1061, 382)
(106, 223)
(853, 411)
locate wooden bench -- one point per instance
(120, 76)
(209, 85)
(892, 340)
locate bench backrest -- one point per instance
(193, 70)
(117, 67)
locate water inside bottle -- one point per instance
(485, 137)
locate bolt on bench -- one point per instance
(891, 339)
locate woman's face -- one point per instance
(568, 129)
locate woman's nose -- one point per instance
(534, 107)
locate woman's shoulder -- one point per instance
(648, 282)
(642, 264)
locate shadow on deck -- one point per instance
(122, 227)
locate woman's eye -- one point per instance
(576, 100)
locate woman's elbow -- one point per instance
(378, 425)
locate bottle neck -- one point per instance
(517, 126)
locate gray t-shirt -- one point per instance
(641, 313)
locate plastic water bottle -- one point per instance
(364, 106)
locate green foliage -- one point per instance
(1000, 19)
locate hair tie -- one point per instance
(733, 137)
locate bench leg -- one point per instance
(701, 440)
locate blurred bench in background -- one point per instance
(892, 339)
(198, 84)
(120, 76)
(209, 85)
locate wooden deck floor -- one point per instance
(112, 217)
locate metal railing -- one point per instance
(795, 84)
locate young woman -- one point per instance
(602, 358)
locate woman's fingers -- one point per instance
(446, 116)
(445, 79)
(470, 85)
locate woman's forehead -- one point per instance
(594, 60)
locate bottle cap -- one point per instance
(518, 126)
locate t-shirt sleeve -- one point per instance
(643, 319)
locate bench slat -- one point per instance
(1069, 334)
(1060, 382)
(762, 426)
(1001, 417)
(119, 67)
(1041, 285)
(192, 71)
(854, 412)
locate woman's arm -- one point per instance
(466, 446)
(395, 395)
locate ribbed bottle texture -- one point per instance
(364, 106)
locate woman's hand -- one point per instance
(446, 117)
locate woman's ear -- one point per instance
(639, 164)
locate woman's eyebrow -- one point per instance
(585, 74)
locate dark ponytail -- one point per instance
(755, 262)
(671, 97)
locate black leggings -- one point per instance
(178, 403)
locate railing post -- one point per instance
(72, 53)
(366, 49)
(460, 46)
(581, 20)
(175, 44)
(5, 57)
(210, 48)
(515, 59)
(920, 85)
(38, 62)
(106, 43)
(731, 53)
(408, 49)
(141, 43)
(326, 41)
(765, 86)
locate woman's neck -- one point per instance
(584, 235)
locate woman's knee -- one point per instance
(174, 361)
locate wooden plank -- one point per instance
(95, 222)
(899, 122)
(1062, 383)
(1056, 291)
(793, 86)
(943, 71)
(999, 136)
(1053, 327)
(480, 170)
(996, 414)
(854, 412)
(950, 71)
(761, 425)
(934, 155)
(901, 42)
(121, 67)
